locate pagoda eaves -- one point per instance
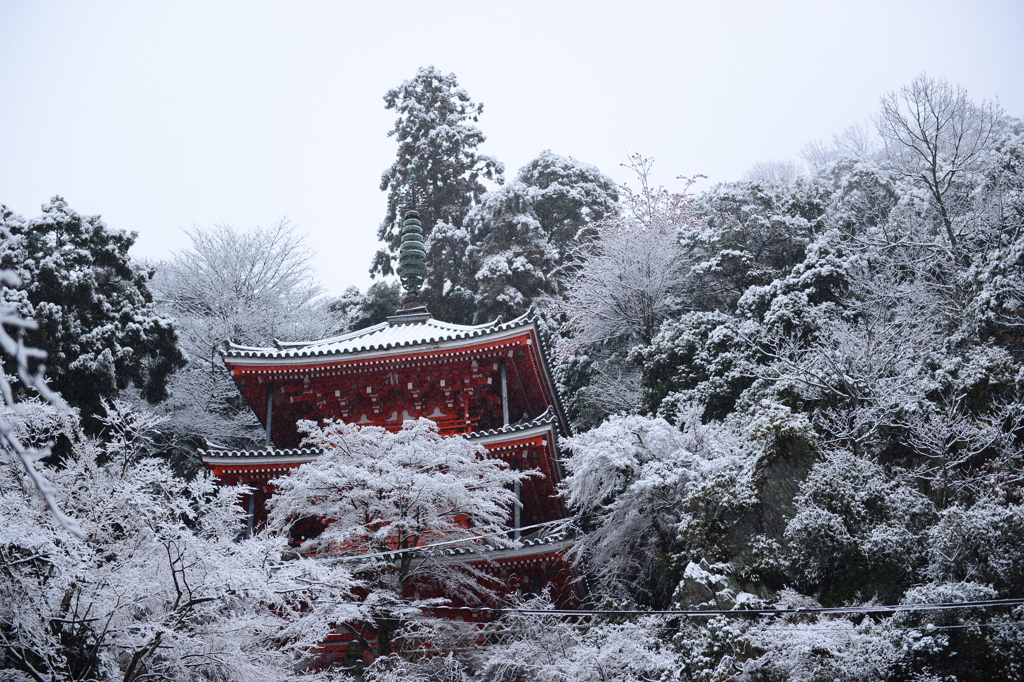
(465, 378)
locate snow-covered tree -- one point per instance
(980, 543)
(857, 532)
(157, 585)
(448, 247)
(381, 495)
(856, 141)
(524, 232)
(91, 303)
(753, 232)
(515, 260)
(570, 195)
(627, 274)
(354, 310)
(438, 171)
(936, 137)
(247, 286)
(636, 485)
(250, 286)
(931, 645)
(546, 648)
(698, 357)
(25, 439)
(622, 283)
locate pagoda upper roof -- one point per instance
(399, 331)
(301, 455)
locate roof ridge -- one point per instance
(422, 330)
(333, 339)
(261, 452)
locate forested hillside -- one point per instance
(799, 392)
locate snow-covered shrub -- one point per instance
(818, 648)
(536, 647)
(962, 644)
(774, 422)
(857, 533)
(982, 543)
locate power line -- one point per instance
(568, 613)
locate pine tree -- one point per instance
(438, 171)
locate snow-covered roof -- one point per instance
(546, 417)
(527, 546)
(264, 452)
(544, 538)
(260, 456)
(294, 455)
(540, 539)
(402, 330)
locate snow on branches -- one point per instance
(382, 495)
(157, 585)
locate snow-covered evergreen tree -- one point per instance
(514, 258)
(91, 302)
(570, 195)
(354, 310)
(438, 171)
(524, 232)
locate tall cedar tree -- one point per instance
(437, 144)
(92, 305)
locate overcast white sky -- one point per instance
(159, 116)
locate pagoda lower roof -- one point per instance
(552, 536)
(554, 543)
(399, 331)
(267, 455)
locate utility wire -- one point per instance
(568, 613)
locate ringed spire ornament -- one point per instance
(412, 254)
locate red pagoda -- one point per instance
(489, 383)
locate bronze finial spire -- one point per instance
(412, 185)
(412, 258)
